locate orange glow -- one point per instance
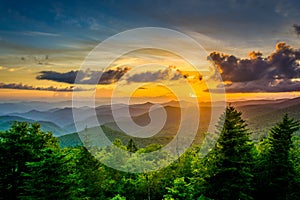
(151, 92)
(13, 94)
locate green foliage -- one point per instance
(34, 166)
(88, 173)
(131, 146)
(70, 140)
(119, 144)
(150, 148)
(118, 197)
(180, 190)
(276, 174)
(48, 178)
(21, 144)
(228, 173)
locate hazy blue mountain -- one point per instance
(59, 116)
(260, 115)
(104, 114)
(26, 106)
(7, 121)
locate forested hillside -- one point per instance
(33, 165)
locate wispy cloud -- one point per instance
(21, 86)
(38, 33)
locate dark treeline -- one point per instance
(34, 166)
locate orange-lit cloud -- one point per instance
(277, 72)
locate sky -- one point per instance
(252, 44)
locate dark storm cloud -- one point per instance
(296, 29)
(84, 77)
(278, 72)
(239, 70)
(20, 86)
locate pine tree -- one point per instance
(49, 178)
(90, 174)
(275, 172)
(20, 144)
(228, 173)
(131, 146)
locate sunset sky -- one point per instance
(254, 44)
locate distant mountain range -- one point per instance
(261, 115)
(6, 122)
(23, 106)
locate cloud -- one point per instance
(85, 77)
(278, 72)
(94, 25)
(113, 75)
(296, 29)
(20, 86)
(277, 85)
(167, 74)
(38, 33)
(171, 73)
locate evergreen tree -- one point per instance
(275, 171)
(228, 173)
(50, 178)
(90, 174)
(20, 144)
(131, 146)
(180, 190)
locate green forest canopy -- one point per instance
(34, 166)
